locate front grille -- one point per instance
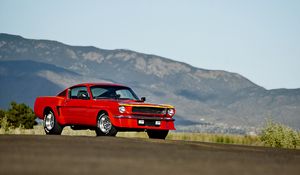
(148, 110)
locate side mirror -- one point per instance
(143, 99)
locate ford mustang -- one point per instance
(106, 108)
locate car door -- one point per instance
(76, 106)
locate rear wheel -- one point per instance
(104, 126)
(157, 134)
(51, 126)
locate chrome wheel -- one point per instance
(51, 126)
(104, 123)
(49, 121)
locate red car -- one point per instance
(105, 108)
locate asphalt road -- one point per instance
(20, 154)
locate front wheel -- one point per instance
(51, 126)
(104, 126)
(157, 134)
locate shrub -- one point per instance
(20, 115)
(279, 135)
(4, 124)
(3, 119)
(2, 114)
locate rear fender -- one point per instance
(56, 113)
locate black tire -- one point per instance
(157, 134)
(104, 126)
(51, 126)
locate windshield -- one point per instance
(118, 92)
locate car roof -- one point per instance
(94, 84)
(98, 84)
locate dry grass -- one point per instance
(216, 138)
(37, 130)
(202, 137)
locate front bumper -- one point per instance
(132, 122)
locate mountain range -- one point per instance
(206, 100)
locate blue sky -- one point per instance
(257, 39)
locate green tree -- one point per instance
(20, 115)
(2, 114)
(3, 120)
(279, 135)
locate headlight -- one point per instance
(122, 109)
(171, 112)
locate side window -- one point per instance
(97, 91)
(79, 93)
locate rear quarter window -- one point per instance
(63, 93)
